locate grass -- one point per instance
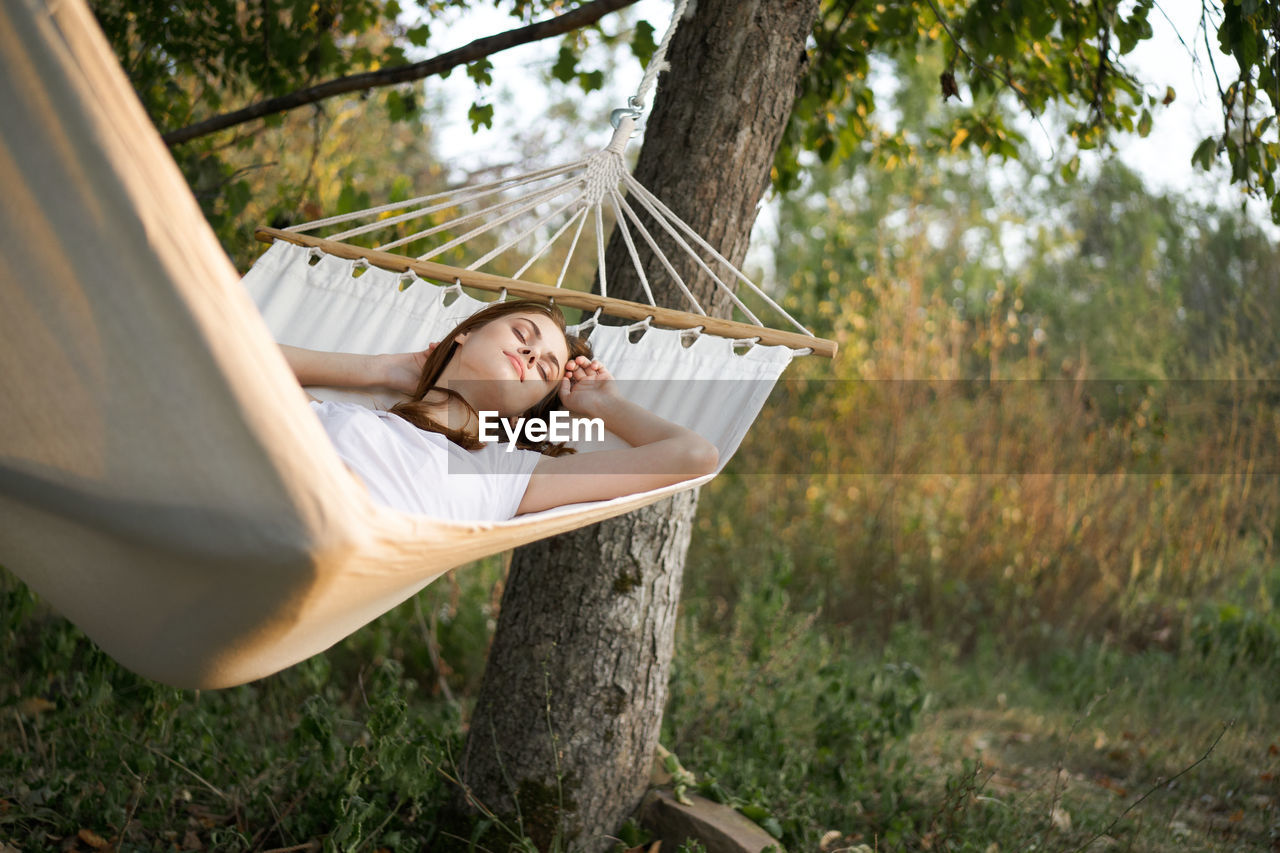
(1143, 750)
(1083, 747)
(909, 743)
(343, 748)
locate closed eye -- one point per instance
(543, 369)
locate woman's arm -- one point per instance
(398, 371)
(662, 453)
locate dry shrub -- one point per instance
(941, 470)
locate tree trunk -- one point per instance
(568, 715)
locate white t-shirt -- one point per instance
(422, 472)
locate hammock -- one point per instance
(162, 481)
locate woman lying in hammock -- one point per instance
(516, 359)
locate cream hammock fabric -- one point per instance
(162, 481)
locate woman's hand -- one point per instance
(403, 370)
(661, 452)
(587, 388)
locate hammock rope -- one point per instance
(544, 205)
(658, 62)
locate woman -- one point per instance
(515, 359)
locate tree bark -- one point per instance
(571, 704)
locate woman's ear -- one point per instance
(458, 339)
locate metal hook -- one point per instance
(616, 117)
(633, 110)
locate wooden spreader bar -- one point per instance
(664, 317)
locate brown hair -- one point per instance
(417, 412)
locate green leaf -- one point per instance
(350, 199)
(1144, 123)
(480, 71)
(1247, 55)
(1042, 21)
(1205, 153)
(401, 105)
(1071, 168)
(480, 115)
(827, 148)
(566, 66)
(401, 187)
(590, 81)
(1128, 38)
(418, 35)
(642, 43)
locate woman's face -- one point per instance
(510, 364)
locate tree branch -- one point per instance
(584, 15)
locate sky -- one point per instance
(1175, 56)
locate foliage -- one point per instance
(187, 63)
(344, 747)
(1056, 60)
(351, 751)
(1197, 282)
(1248, 32)
(1044, 54)
(190, 60)
(791, 753)
(1025, 411)
(1008, 748)
(812, 730)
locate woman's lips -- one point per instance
(519, 365)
